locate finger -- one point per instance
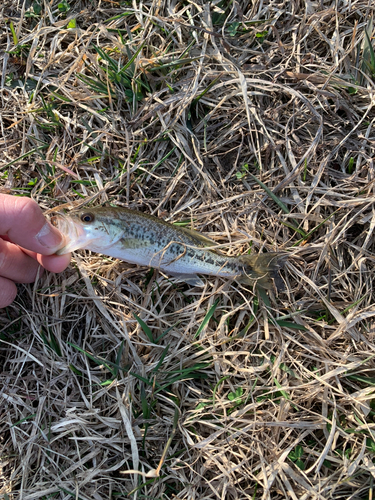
(29, 253)
(24, 223)
(8, 292)
(15, 264)
(54, 263)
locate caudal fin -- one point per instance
(263, 269)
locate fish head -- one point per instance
(91, 229)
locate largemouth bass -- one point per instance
(145, 240)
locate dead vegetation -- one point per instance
(253, 123)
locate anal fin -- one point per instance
(190, 279)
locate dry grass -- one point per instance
(180, 111)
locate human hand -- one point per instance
(27, 240)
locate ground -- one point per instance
(251, 122)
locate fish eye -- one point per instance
(87, 217)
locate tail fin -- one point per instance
(263, 269)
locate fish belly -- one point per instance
(176, 260)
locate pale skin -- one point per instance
(27, 241)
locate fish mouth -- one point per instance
(73, 233)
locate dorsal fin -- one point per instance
(200, 239)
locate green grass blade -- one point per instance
(165, 333)
(275, 198)
(369, 55)
(146, 410)
(112, 62)
(111, 367)
(263, 295)
(307, 236)
(163, 159)
(171, 64)
(29, 153)
(288, 324)
(118, 16)
(132, 59)
(164, 353)
(145, 329)
(72, 494)
(52, 342)
(142, 379)
(279, 386)
(14, 34)
(196, 99)
(217, 386)
(23, 420)
(296, 229)
(207, 317)
(361, 378)
(118, 358)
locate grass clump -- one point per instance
(252, 123)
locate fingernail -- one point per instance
(49, 237)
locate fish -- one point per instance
(145, 240)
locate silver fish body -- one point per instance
(145, 240)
